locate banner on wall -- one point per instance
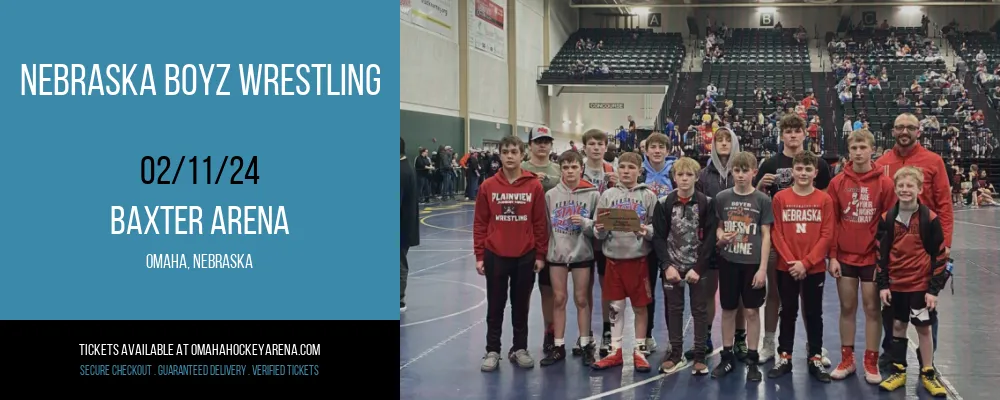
(437, 16)
(487, 29)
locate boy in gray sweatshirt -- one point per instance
(626, 275)
(571, 205)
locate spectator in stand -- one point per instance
(810, 102)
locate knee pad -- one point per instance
(617, 307)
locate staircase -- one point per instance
(683, 103)
(668, 100)
(828, 113)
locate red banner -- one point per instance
(490, 12)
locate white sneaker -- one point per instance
(650, 346)
(766, 352)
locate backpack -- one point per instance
(924, 218)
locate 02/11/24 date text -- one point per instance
(161, 171)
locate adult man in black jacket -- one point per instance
(409, 225)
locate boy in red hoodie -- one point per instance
(802, 232)
(511, 239)
(861, 193)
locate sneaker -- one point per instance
(709, 348)
(402, 307)
(641, 347)
(725, 365)
(817, 370)
(930, 380)
(753, 372)
(650, 346)
(700, 368)
(606, 344)
(872, 375)
(549, 342)
(639, 361)
(490, 362)
(782, 365)
(895, 380)
(670, 366)
(522, 359)
(766, 351)
(577, 349)
(557, 354)
(847, 365)
(588, 355)
(740, 349)
(612, 360)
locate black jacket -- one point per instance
(932, 238)
(409, 224)
(707, 223)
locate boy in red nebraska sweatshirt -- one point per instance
(511, 239)
(861, 193)
(802, 232)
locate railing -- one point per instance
(769, 141)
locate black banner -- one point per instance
(177, 353)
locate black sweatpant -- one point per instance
(517, 275)
(810, 289)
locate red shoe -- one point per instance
(639, 361)
(612, 360)
(847, 364)
(872, 375)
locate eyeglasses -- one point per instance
(910, 128)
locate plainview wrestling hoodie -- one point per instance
(625, 245)
(568, 243)
(510, 218)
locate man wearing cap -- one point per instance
(549, 173)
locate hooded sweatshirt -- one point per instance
(658, 181)
(858, 201)
(568, 243)
(625, 245)
(718, 176)
(510, 218)
(937, 189)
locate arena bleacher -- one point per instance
(899, 60)
(770, 60)
(621, 56)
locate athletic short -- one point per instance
(736, 283)
(581, 264)
(600, 261)
(863, 273)
(910, 307)
(627, 279)
(711, 278)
